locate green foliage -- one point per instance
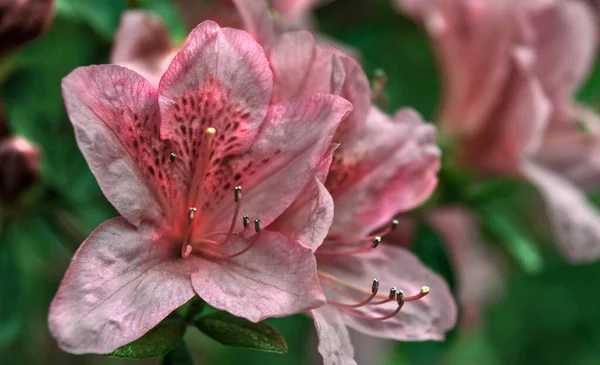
(180, 355)
(239, 332)
(160, 340)
(103, 16)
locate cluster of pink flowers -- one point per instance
(250, 167)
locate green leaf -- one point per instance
(516, 240)
(239, 332)
(102, 16)
(180, 355)
(429, 246)
(159, 341)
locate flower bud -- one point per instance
(19, 168)
(22, 21)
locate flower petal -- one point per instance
(334, 339)
(121, 283)
(390, 167)
(274, 278)
(573, 152)
(301, 67)
(308, 219)
(428, 318)
(514, 129)
(293, 141)
(256, 20)
(115, 115)
(576, 223)
(566, 45)
(220, 79)
(143, 44)
(473, 41)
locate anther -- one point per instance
(237, 193)
(375, 286)
(424, 291)
(257, 225)
(395, 224)
(187, 252)
(192, 213)
(246, 220)
(210, 132)
(376, 241)
(172, 157)
(400, 297)
(392, 293)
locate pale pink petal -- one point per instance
(301, 67)
(371, 350)
(574, 151)
(121, 283)
(515, 127)
(293, 141)
(391, 167)
(473, 41)
(294, 7)
(274, 278)
(256, 20)
(334, 339)
(115, 115)
(565, 48)
(428, 318)
(143, 44)
(576, 223)
(308, 220)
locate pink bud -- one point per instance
(22, 21)
(19, 167)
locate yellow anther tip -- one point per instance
(210, 131)
(425, 290)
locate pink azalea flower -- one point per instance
(384, 165)
(170, 160)
(510, 70)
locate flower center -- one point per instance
(210, 243)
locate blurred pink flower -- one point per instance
(19, 167)
(168, 161)
(510, 70)
(143, 44)
(383, 165)
(21, 21)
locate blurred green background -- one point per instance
(548, 314)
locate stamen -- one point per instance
(218, 256)
(186, 248)
(424, 291)
(391, 297)
(376, 241)
(257, 225)
(374, 289)
(393, 314)
(373, 245)
(392, 227)
(209, 136)
(246, 220)
(172, 157)
(237, 197)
